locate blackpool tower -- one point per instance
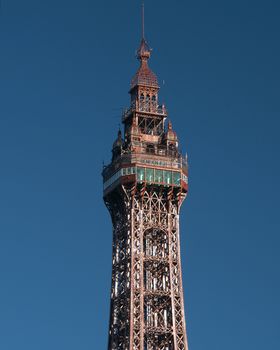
(144, 187)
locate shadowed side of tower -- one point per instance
(144, 187)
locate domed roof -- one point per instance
(170, 134)
(118, 142)
(144, 75)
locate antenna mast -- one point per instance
(143, 20)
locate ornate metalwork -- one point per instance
(146, 296)
(144, 187)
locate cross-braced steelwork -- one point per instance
(144, 187)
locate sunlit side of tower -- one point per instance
(144, 187)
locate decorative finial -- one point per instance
(144, 51)
(169, 125)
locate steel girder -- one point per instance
(147, 308)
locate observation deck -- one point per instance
(160, 168)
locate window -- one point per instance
(147, 107)
(158, 176)
(185, 178)
(150, 175)
(154, 102)
(167, 176)
(141, 174)
(176, 178)
(141, 102)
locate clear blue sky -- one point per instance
(65, 68)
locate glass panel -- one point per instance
(128, 171)
(149, 175)
(158, 176)
(176, 178)
(140, 174)
(167, 176)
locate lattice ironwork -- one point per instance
(144, 187)
(147, 297)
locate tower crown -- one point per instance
(148, 152)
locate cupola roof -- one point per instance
(144, 75)
(170, 134)
(118, 142)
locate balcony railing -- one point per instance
(160, 110)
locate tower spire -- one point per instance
(144, 51)
(143, 20)
(144, 75)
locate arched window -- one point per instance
(147, 104)
(141, 107)
(154, 103)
